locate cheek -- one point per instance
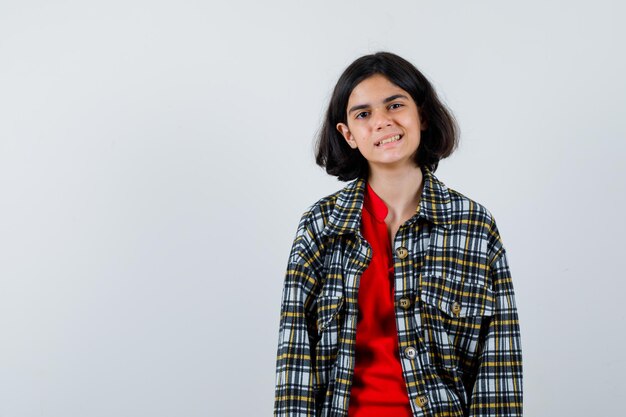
(360, 134)
(417, 125)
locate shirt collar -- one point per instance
(434, 206)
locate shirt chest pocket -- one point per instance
(330, 313)
(329, 320)
(329, 309)
(453, 314)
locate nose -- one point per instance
(381, 119)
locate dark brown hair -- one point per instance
(438, 141)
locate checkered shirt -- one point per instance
(458, 328)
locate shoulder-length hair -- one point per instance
(438, 141)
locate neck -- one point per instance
(400, 189)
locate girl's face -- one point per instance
(379, 110)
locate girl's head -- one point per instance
(386, 95)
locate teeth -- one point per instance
(391, 139)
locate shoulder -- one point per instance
(316, 216)
(464, 208)
(448, 206)
(309, 239)
(473, 218)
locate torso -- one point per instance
(393, 226)
(392, 229)
(393, 223)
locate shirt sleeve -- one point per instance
(294, 393)
(498, 390)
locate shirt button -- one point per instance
(456, 308)
(421, 400)
(410, 352)
(402, 252)
(405, 303)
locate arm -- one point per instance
(498, 387)
(294, 395)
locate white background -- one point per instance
(156, 156)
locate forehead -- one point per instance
(374, 89)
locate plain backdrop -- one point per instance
(156, 156)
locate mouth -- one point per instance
(389, 139)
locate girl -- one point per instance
(398, 299)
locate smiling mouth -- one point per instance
(388, 140)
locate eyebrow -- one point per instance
(387, 100)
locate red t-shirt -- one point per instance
(378, 387)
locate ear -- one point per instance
(345, 132)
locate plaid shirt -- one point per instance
(458, 329)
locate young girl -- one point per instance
(398, 299)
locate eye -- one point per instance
(396, 104)
(358, 116)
